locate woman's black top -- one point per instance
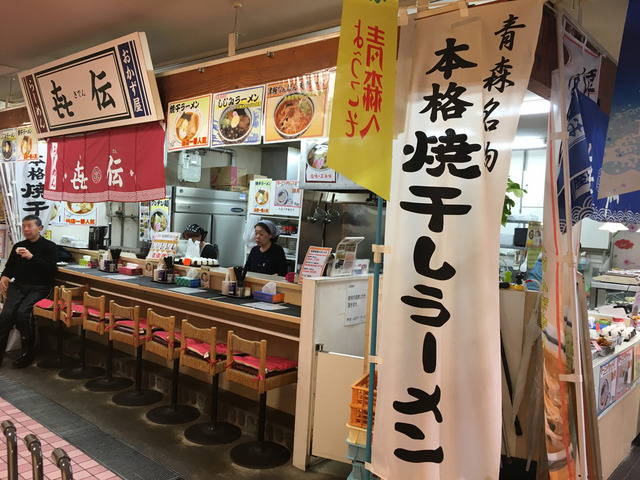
(270, 261)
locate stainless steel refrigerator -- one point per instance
(221, 213)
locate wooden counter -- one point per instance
(202, 306)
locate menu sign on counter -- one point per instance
(296, 108)
(165, 244)
(237, 117)
(346, 256)
(188, 123)
(314, 263)
(110, 85)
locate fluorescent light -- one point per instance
(612, 227)
(533, 107)
(528, 143)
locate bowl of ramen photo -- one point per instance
(187, 125)
(235, 124)
(81, 208)
(293, 115)
(317, 156)
(262, 197)
(7, 150)
(159, 221)
(26, 144)
(282, 196)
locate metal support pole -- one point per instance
(33, 444)
(12, 449)
(63, 462)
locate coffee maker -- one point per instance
(96, 237)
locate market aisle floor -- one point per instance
(84, 466)
(119, 440)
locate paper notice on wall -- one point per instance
(355, 311)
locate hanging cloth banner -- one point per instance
(438, 412)
(121, 165)
(621, 164)
(360, 136)
(582, 69)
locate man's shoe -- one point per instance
(23, 360)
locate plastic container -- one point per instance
(359, 401)
(356, 452)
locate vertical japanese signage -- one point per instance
(438, 413)
(110, 85)
(362, 114)
(30, 176)
(237, 116)
(188, 123)
(296, 108)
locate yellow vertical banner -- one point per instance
(360, 136)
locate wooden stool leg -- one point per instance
(138, 396)
(213, 432)
(108, 383)
(173, 414)
(82, 371)
(260, 454)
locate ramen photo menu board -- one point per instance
(296, 108)
(237, 117)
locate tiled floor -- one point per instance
(83, 467)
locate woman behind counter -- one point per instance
(198, 234)
(267, 256)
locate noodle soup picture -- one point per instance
(235, 124)
(293, 115)
(187, 126)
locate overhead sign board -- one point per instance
(110, 85)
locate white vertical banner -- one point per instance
(29, 177)
(438, 412)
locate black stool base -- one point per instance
(173, 415)
(108, 384)
(259, 455)
(210, 433)
(136, 398)
(81, 373)
(58, 362)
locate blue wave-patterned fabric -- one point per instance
(587, 128)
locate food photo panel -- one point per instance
(188, 123)
(296, 108)
(237, 117)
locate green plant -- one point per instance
(512, 187)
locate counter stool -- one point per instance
(72, 314)
(162, 339)
(96, 319)
(260, 372)
(60, 360)
(200, 351)
(126, 326)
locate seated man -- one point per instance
(32, 266)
